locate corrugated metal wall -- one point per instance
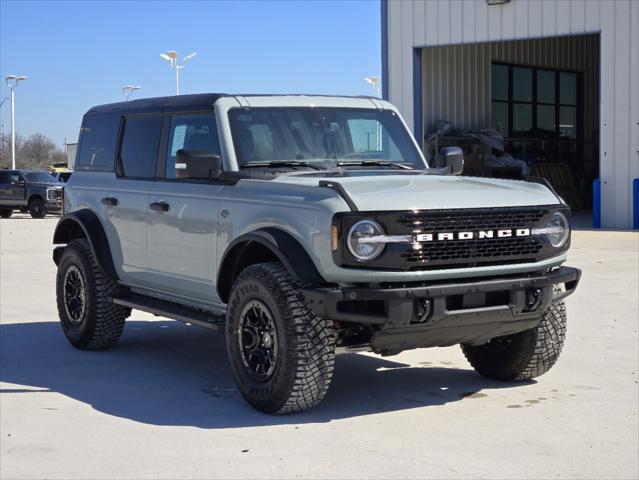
(418, 24)
(456, 79)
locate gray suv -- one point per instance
(300, 226)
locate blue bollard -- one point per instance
(635, 204)
(596, 203)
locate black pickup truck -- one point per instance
(32, 191)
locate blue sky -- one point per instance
(80, 53)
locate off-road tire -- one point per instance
(6, 212)
(37, 208)
(306, 343)
(102, 321)
(524, 355)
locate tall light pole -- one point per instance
(172, 57)
(12, 83)
(375, 82)
(2, 127)
(127, 90)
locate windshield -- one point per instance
(39, 177)
(315, 135)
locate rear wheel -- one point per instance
(281, 354)
(37, 208)
(90, 320)
(6, 212)
(523, 355)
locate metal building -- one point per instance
(559, 79)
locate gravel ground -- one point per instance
(162, 404)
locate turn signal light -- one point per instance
(334, 238)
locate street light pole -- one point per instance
(172, 57)
(127, 90)
(12, 83)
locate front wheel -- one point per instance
(37, 208)
(524, 355)
(281, 354)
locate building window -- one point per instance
(536, 102)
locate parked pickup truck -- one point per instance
(33, 191)
(299, 226)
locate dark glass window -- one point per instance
(139, 150)
(197, 133)
(541, 101)
(522, 84)
(545, 86)
(98, 137)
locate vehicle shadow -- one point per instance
(168, 373)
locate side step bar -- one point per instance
(174, 311)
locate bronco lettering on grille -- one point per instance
(480, 234)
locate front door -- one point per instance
(17, 190)
(182, 228)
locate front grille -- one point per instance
(471, 250)
(451, 220)
(457, 253)
(476, 251)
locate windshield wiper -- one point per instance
(381, 163)
(292, 163)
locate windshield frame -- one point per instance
(406, 145)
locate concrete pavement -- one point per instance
(162, 404)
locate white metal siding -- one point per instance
(418, 23)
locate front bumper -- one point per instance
(54, 206)
(443, 314)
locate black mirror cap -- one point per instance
(453, 159)
(197, 164)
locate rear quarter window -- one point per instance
(98, 139)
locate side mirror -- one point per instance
(453, 159)
(21, 183)
(197, 164)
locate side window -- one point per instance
(15, 178)
(191, 132)
(4, 177)
(98, 138)
(139, 149)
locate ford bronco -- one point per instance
(300, 226)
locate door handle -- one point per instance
(159, 206)
(109, 201)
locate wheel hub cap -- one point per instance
(258, 340)
(74, 295)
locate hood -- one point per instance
(46, 184)
(409, 191)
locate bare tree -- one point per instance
(36, 151)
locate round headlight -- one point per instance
(360, 243)
(556, 231)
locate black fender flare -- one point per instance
(280, 244)
(85, 224)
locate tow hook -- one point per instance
(533, 299)
(423, 308)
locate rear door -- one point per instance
(126, 204)
(182, 236)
